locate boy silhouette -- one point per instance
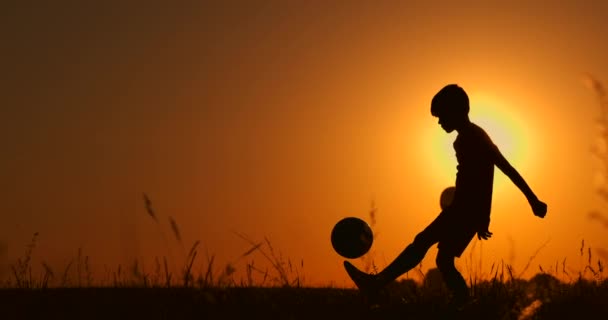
(469, 212)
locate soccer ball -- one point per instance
(446, 198)
(351, 237)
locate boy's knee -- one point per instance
(418, 239)
(421, 240)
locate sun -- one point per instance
(502, 123)
(502, 129)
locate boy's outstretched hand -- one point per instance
(483, 230)
(485, 235)
(539, 208)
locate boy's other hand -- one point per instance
(539, 208)
(485, 234)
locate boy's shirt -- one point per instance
(475, 153)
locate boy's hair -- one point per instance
(452, 99)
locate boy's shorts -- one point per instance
(452, 232)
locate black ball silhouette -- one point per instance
(351, 237)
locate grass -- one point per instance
(202, 289)
(277, 292)
(540, 298)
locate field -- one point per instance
(278, 292)
(540, 298)
(160, 294)
(276, 289)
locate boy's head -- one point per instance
(451, 106)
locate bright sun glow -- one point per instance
(502, 124)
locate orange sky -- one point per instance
(277, 120)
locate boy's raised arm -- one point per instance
(538, 207)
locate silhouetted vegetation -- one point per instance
(542, 297)
(214, 293)
(600, 151)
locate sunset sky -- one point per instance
(278, 118)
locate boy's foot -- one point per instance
(366, 283)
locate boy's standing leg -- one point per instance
(456, 240)
(452, 277)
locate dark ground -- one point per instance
(273, 303)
